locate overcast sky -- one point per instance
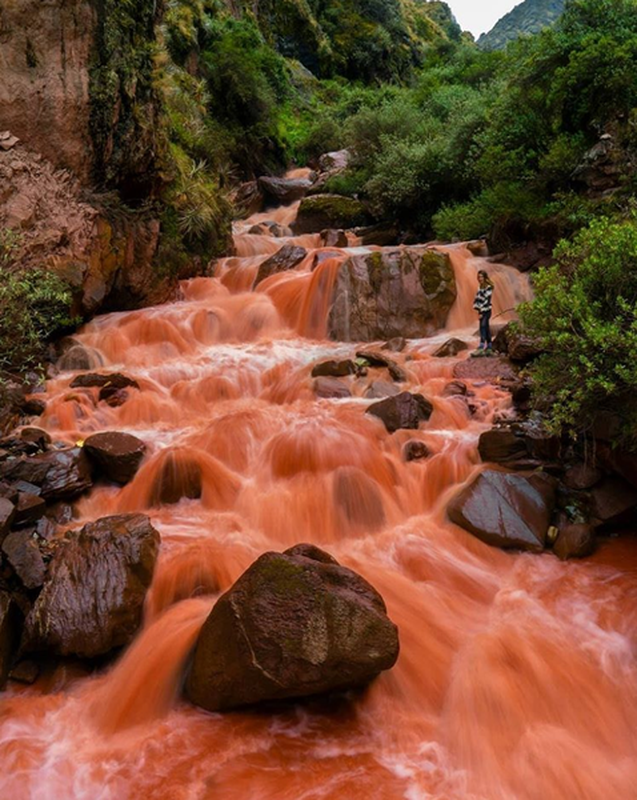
(479, 16)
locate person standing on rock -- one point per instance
(482, 305)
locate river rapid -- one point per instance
(517, 677)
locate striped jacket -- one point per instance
(482, 303)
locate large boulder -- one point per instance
(115, 455)
(513, 342)
(321, 211)
(392, 292)
(295, 624)
(376, 359)
(504, 446)
(403, 411)
(93, 595)
(506, 510)
(282, 191)
(60, 474)
(450, 348)
(334, 369)
(288, 257)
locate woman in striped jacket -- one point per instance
(482, 305)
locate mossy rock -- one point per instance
(323, 211)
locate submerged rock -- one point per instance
(403, 411)
(94, 591)
(295, 624)
(288, 257)
(506, 510)
(394, 292)
(334, 388)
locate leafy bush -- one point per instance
(585, 317)
(35, 305)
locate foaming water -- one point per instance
(517, 675)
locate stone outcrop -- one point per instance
(93, 595)
(295, 624)
(392, 292)
(506, 510)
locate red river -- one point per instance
(517, 677)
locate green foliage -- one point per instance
(35, 304)
(585, 318)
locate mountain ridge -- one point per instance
(527, 18)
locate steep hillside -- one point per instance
(527, 18)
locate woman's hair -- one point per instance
(486, 277)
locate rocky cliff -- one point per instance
(525, 19)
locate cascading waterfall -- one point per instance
(517, 675)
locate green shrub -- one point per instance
(35, 305)
(585, 317)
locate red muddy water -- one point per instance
(517, 675)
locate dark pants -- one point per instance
(485, 330)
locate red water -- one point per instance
(517, 674)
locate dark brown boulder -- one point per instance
(60, 474)
(582, 476)
(283, 191)
(393, 292)
(575, 541)
(22, 552)
(116, 456)
(506, 510)
(36, 437)
(295, 624)
(114, 380)
(93, 595)
(520, 348)
(405, 410)
(502, 446)
(494, 370)
(331, 388)
(7, 515)
(414, 450)
(29, 508)
(451, 348)
(377, 359)
(614, 502)
(288, 257)
(10, 626)
(334, 369)
(34, 407)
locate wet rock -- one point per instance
(621, 462)
(37, 437)
(115, 380)
(358, 498)
(321, 211)
(451, 348)
(288, 257)
(331, 238)
(582, 476)
(29, 509)
(79, 357)
(414, 450)
(7, 515)
(295, 624)
(93, 595)
(496, 369)
(10, 627)
(116, 456)
(331, 388)
(334, 369)
(575, 541)
(376, 359)
(283, 191)
(404, 411)
(506, 510)
(502, 446)
(455, 389)
(520, 348)
(614, 502)
(379, 389)
(26, 672)
(381, 235)
(395, 345)
(394, 292)
(33, 407)
(61, 474)
(179, 478)
(22, 552)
